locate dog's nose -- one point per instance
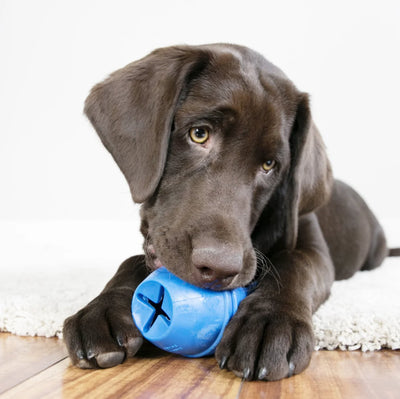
(216, 265)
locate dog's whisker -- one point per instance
(265, 267)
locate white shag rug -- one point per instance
(362, 312)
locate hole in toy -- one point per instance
(158, 310)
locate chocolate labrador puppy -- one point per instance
(220, 148)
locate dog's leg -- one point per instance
(103, 334)
(271, 335)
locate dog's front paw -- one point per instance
(266, 343)
(102, 334)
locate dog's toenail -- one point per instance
(262, 373)
(246, 373)
(222, 362)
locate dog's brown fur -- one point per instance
(213, 216)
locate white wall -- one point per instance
(346, 54)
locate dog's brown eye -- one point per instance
(268, 165)
(199, 134)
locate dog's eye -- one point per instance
(199, 135)
(268, 165)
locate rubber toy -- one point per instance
(181, 318)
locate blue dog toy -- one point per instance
(182, 318)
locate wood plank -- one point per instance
(23, 357)
(336, 374)
(165, 376)
(157, 375)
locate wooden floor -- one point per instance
(38, 368)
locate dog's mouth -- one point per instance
(151, 258)
(218, 284)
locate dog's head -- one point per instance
(220, 148)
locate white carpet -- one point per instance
(362, 313)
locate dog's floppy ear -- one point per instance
(132, 112)
(310, 176)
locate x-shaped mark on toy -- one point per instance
(157, 309)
